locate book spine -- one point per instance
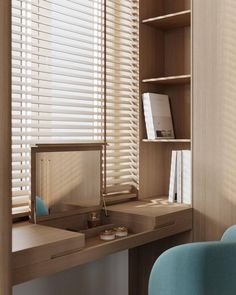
(179, 177)
(173, 174)
(148, 116)
(187, 187)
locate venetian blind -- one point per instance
(57, 79)
(63, 66)
(122, 92)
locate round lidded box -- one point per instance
(121, 231)
(107, 235)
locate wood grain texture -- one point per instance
(177, 52)
(153, 8)
(151, 64)
(34, 243)
(152, 214)
(169, 21)
(140, 264)
(171, 6)
(214, 112)
(167, 140)
(5, 147)
(164, 67)
(93, 250)
(171, 80)
(180, 102)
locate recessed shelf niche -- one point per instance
(165, 68)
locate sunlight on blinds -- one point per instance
(122, 94)
(57, 77)
(75, 78)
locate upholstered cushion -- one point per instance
(195, 269)
(229, 235)
(41, 207)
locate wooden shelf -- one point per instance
(169, 21)
(167, 140)
(180, 79)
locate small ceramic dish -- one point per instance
(121, 231)
(107, 235)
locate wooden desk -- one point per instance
(39, 250)
(34, 244)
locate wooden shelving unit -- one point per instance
(173, 20)
(180, 79)
(165, 68)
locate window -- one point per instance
(122, 94)
(75, 78)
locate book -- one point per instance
(179, 177)
(173, 178)
(186, 177)
(180, 183)
(148, 116)
(157, 116)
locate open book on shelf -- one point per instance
(180, 189)
(157, 116)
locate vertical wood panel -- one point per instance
(5, 148)
(142, 259)
(214, 117)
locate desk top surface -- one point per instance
(28, 236)
(154, 207)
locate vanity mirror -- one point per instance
(66, 179)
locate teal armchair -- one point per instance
(197, 269)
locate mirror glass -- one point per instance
(68, 180)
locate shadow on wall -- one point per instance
(216, 177)
(228, 215)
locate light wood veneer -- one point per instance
(173, 20)
(181, 79)
(166, 140)
(214, 113)
(43, 251)
(33, 243)
(165, 68)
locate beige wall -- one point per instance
(214, 117)
(5, 148)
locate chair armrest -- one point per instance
(196, 269)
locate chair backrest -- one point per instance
(207, 268)
(229, 235)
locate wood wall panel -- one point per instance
(5, 149)
(177, 52)
(214, 117)
(142, 259)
